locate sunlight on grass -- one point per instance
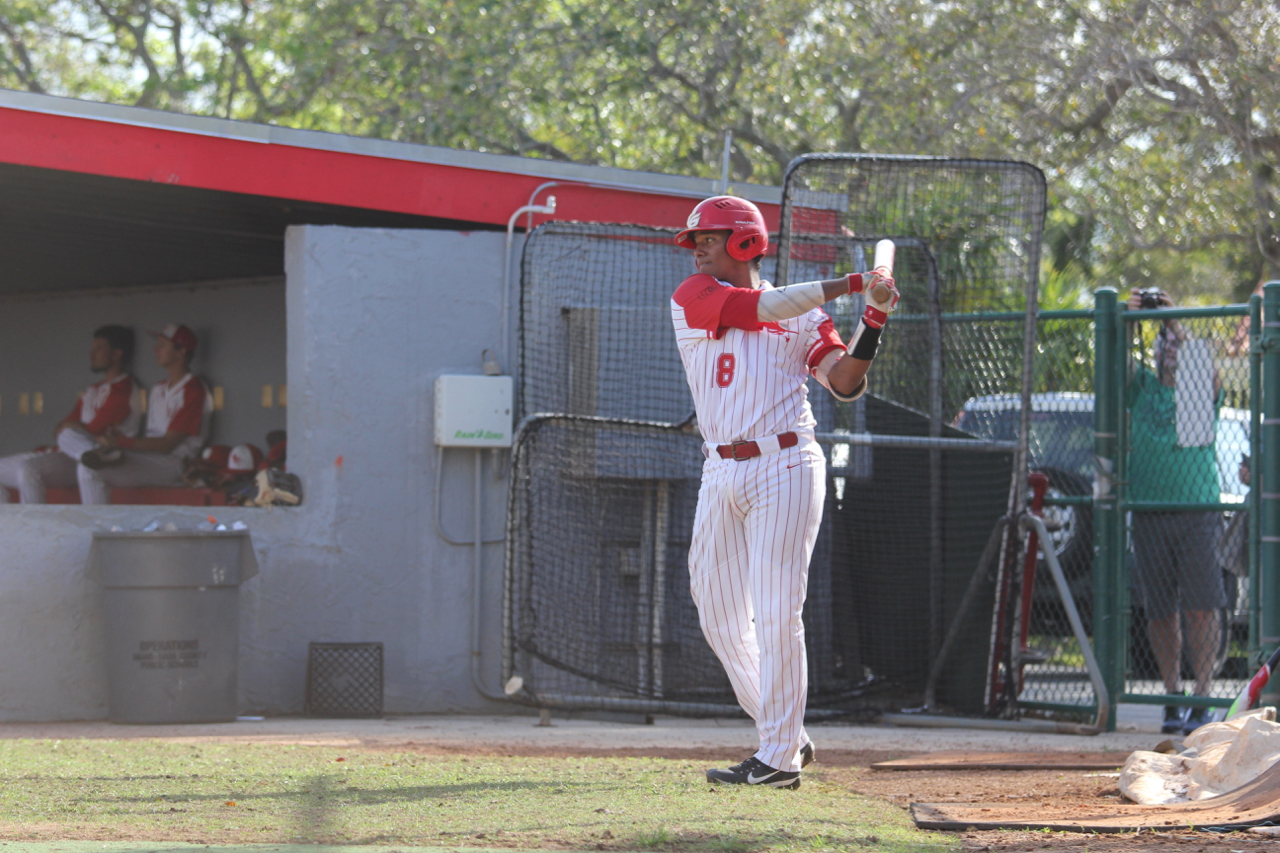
(1064, 651)
(207, 793)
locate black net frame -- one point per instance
(968, 235)
(608, 622)
(606, 433)
(579, 280)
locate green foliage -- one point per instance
(1066, 289)
(1158, 124)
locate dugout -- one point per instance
(331, 280)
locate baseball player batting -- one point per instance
(748, 349)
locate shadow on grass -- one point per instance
(313, 811)
(323, 788)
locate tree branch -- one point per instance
(139, 33)
(23, 68)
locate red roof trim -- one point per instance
(99, 147)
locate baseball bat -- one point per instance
(1249, 695)
(884, 263)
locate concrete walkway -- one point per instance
(1138, 729)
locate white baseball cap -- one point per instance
(243, 458)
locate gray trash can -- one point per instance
(173, 622)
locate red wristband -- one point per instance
(874, 317)
(855, 282)
(126, 442)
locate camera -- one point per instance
(1149, 297)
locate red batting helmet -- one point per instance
(749, 237)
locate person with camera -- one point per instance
(1172, 421)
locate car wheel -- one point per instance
(1070, 527)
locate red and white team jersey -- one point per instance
(747, 377)
(109, 403)
(185, 408)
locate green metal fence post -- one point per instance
(1107, 408)
(1254, 500)
(1269, 463)
(1120, 628)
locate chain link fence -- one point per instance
(608, 462)
(1187, 397)
(1185, 522)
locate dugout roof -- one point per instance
(99, 196)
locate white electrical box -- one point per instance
(474, 411)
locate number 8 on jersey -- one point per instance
(725, 365)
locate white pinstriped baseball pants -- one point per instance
(139, 468)
(753, 534)
(32, 473)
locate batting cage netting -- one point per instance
(607, 460)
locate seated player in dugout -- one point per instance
(107, 405)
(748, 350)
(178, 410)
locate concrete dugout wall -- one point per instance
(373, 317)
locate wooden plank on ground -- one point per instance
(1253, 804)
(963, 760)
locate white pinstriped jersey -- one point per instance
(109, 403)
(183, 407)
(747, 377)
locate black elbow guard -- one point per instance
(866, 339)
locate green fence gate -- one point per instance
(1178, 618)
(1109, 502)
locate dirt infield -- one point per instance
(845, 756)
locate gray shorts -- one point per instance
(1175, 567)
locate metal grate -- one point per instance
(344, 679)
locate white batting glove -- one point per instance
(882, 298)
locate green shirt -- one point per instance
(1160, 470)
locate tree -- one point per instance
(1156, 122)
(1162, 118)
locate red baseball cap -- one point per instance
(276, 455)
(180, 335)
(215, 456)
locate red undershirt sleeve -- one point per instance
(114, 410)
(713, 306)
(190, 417)
(825, 340)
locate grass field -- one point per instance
(220, 794)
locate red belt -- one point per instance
(741, 451)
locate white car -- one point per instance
(1062, 434)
